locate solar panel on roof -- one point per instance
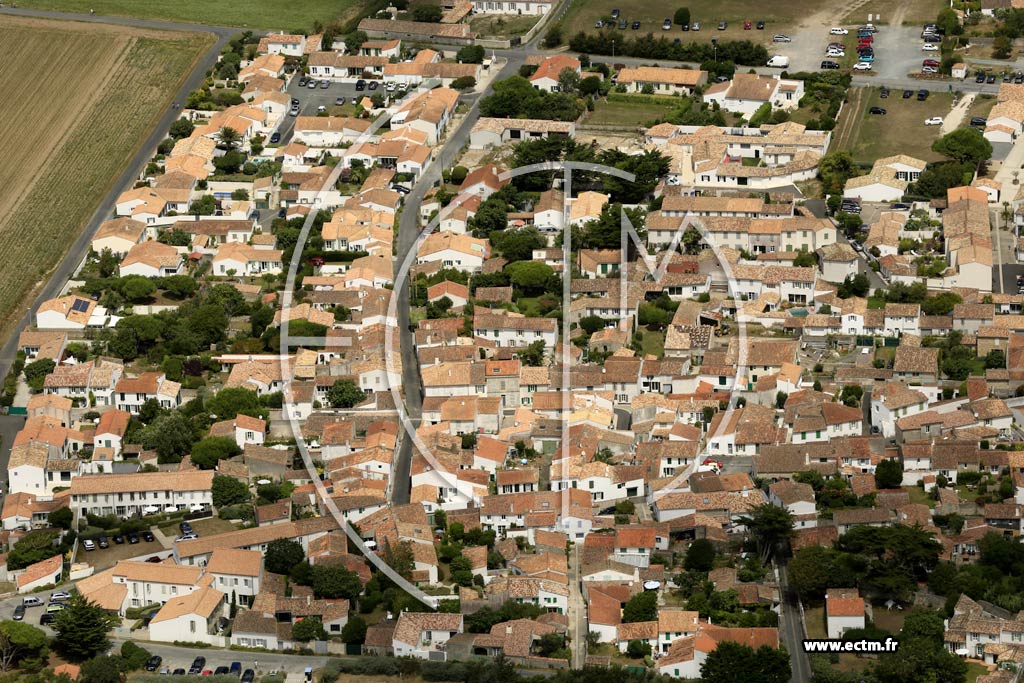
(80, 305)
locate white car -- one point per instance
(862, 66)
(933, 121)
(930, 47)
(929, 70)
(835, 53)
(837, 31)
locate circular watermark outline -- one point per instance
(391, 327)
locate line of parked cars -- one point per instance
(865, 48)
(198, 668)
(132, 537)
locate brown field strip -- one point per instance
(79, 100)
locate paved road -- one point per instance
(577, 610)
(409, 230)
(792, 630)
(76, 253)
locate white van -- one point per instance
(31, 601)
(778, 61)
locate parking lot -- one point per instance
(312, 98)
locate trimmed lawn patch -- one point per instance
(501, 25)
(902, 129)
(631, 114)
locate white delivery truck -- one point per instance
(779, 61)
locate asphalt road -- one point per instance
(409, 230)
(311, 98)
(792, 630)
(60, 275)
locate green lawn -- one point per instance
(902, 129)
(653, 343)
(981, 106)
(919, 496)
(631, 114)
(917, 12)
(778, 16)
(814, 621)
(974, 670)
(269, 14)
(202, 527)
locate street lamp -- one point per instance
(714, 44)
(613, 48)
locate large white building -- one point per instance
(128, 495)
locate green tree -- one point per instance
(835, 169)
(641, 607)
(82, 629)
(995, 359)
(682, 16)
(531, 276)
(731, 662)
(310, 628)
(638, 649)
(22, 646)
(228, 491)
(470, 54)
(182, 128)
(332, 581)
(568, 80)
(33, 547)
(770, 526)
(518, 245)
(211, 450)
(427, 12)
(940, 304)
(533, 355)
(282, 555)
(920, 661)
(923, 623)
(170, 435)
(948, 21)
(135, 657)
(854, 285)
(354, 630)
(207, 204)
(964, 145)
(345, 393)
(700, 556)
(232, 401)
(104, 669)
(229, 138)
(889, 474)
(936, 179)
(591, 324)
(36, 372)
(61, 517)
(179, 286)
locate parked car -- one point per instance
(929, 69)
(185, 527)
(391, 86)
(922, 95)
(867, 58)
(980, 77)
(55, 607)
(148, 536)
(186, 537)
(760, 26)
(294, 111)
(838, 31)
(197, 665)
(220, 671)
(325, 84)
(321, 109)
(360, 84)
(89, 545)
(722, 25)
(157, 558)
(275, 138)
(933, 121)
(636, 25)
(862, 66)
(311, 84)
(878, 111)
(302, 82)
(19, 612)
(154, 662)
(781, 38)
(979, 121)
(991, 78)
(179, 672)
(623, 25)
(60, 596)
(248, 676)
(372, 85)
(827, 64)
(616, 13)
(930, 47)
(747, 26)
(666, 25)
(907, 94)
(696, 26)
(46, 618)
(883, 92)
(235, 668)
(295, 102)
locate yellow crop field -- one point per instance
(79, 99)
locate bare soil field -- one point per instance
(79, 98)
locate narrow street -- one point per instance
(792, 630)
(577, 610)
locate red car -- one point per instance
(930, 62)
(747, 26)
(866, 39)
